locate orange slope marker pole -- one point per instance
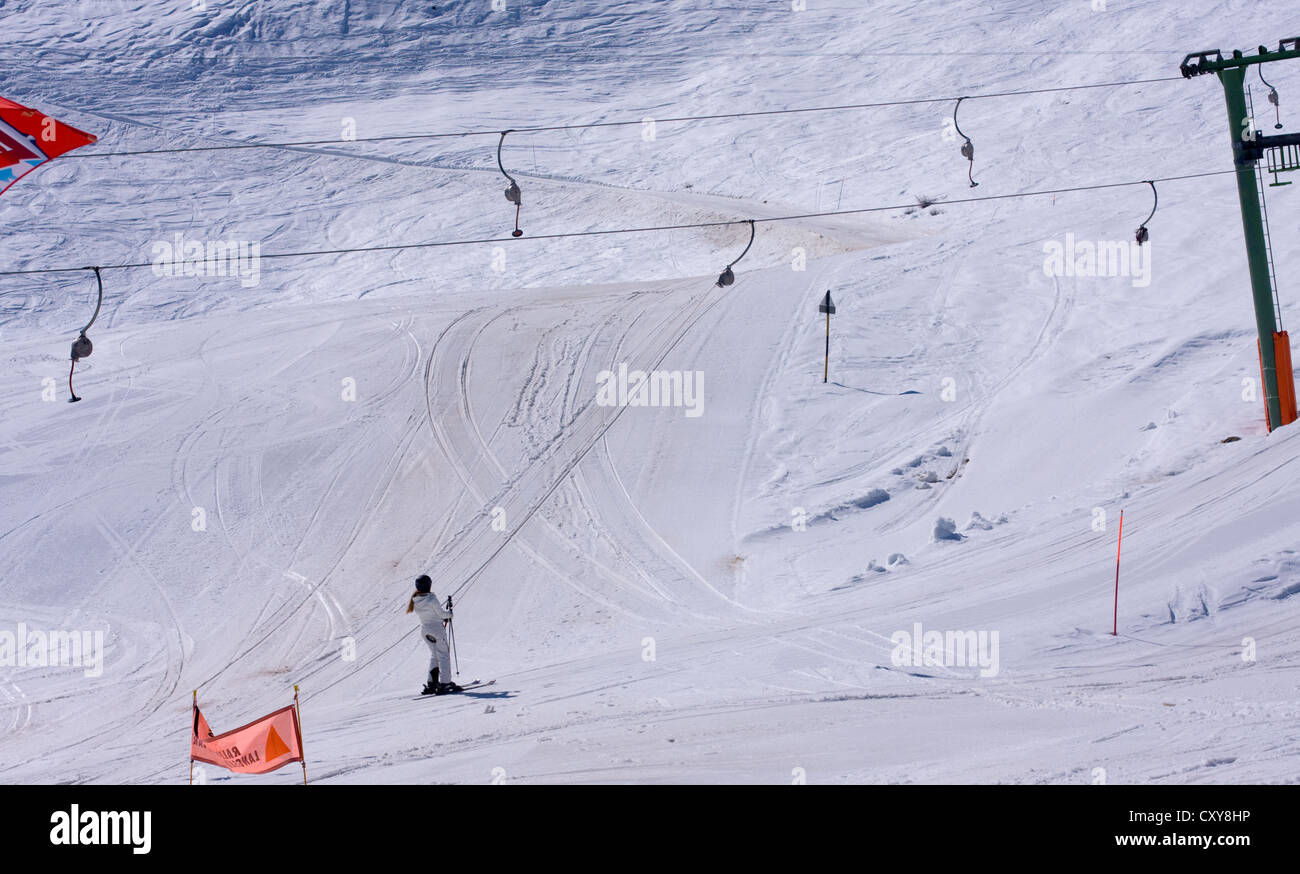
(1115, 628)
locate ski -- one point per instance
(472, 684)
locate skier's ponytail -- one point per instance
(410, 605)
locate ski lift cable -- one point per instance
(621, 123)
(265, 40)
(433, 244)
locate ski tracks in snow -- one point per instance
(560, 434)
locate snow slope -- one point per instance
(655, 615)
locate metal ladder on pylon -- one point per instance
(1268, 245)
(1268, 237)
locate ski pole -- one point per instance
(451, 633)
(451, 638)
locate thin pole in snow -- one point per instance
(193, 721)
(297, 714)
(1115, 628)
(827, 306)
(826, 370)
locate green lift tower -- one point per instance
(1283, 151)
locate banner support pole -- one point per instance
(297, 712)
(193, 707)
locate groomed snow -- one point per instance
(687, 598)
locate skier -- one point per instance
(434, 619)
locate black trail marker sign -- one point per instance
(827, 307)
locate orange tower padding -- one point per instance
(1285, 379)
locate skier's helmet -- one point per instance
(423, 584)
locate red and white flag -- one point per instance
(29, 138)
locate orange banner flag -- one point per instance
(263, 745)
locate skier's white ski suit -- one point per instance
(432, 615)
